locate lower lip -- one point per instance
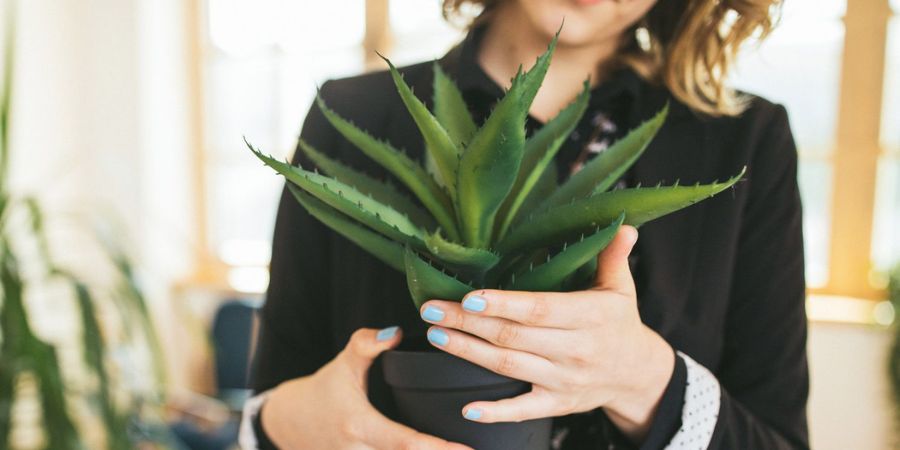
(588, 2)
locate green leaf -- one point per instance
(343, 197)
(411, 174)
(132, 303)
(9, 56)
(546, 184)
(551, 275)
(490, 165)
(450, 108)
(437, 141)
(7, 396)
(21, 350)
(582, 278)
(540, 150)
(426, 283)
(532, 80)
(639, 204)
(603, 171)
(62, 434)
(93, 352)
(465, 259)
(379, 190)
(389, 252)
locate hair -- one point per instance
(687, 45)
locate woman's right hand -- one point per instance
(330, 409)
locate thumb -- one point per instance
(613, 272)
(365, 345)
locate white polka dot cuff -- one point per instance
(702, 396)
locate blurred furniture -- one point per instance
(211, 423)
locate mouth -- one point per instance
(588, 2)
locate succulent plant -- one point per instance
(489, 213)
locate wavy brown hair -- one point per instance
(687, 45)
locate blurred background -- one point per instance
(125, 128)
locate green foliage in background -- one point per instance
(491, 213)
(25, 355)
(894, 355)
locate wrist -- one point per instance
(271, 420)
(634, 409)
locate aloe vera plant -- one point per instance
(491, 214)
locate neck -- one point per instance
(511, 41)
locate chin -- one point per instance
(586, 21)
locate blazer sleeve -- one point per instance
(763, 374)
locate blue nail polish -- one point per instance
(474, 304)
(386, 334)
(438, 337)
(473, 414)
(433, 314)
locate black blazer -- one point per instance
(721, 281)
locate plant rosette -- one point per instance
(490, 214)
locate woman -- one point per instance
(694, 335)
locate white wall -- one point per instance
(100, 133)
(850, 402)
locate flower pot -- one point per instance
(430, 389)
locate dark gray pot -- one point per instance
(431, 388)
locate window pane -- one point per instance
(886, 234)
(242, 203)
(890, 117)
(815, 188)
(420, 32)
(799, 65)
(240, 97)
(317, 26)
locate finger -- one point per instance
(536, 404)
(511, 363)
(366, 344)
(613, 272)
(383, 434)
(501, 332)
(538, 309)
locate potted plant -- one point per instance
(489, 215)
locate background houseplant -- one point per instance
(893, 363)
(488, 214)
(31, 371)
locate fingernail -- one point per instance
(474, 304)
(433, 314)
(386, 334)
(438, 337)
(472, 414)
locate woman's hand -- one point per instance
(580, 350)
(330, 409)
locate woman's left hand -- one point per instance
(580, 350)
